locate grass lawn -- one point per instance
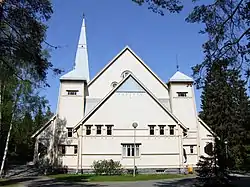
(94, 178)
(5, 183)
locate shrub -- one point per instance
(107, 167)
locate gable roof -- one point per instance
(127, 48)
(206, 127)
(115, 89)
(44, 126)
(180, 77)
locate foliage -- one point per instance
(226, 109)
(107, 167)
(212, 171)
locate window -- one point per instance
(151, 129)
(88, 129)
(75, 149)
(109, 129)
(114, 84)
(98, 129)
(171, 129)
(72, 92)
(62, 149)
(191, 149)
(182, 94)
(128, 150)
(162, 129)
(125, 73)
(70, 132)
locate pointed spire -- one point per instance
(81, 65)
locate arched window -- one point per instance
(114, 84)
(125, 73)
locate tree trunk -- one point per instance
(10, 128)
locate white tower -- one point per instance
(73, 85)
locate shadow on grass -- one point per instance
(15, 181)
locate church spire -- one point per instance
(81, 65)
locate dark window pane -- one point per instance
(70, 132)
(75, 149)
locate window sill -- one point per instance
(132, 157)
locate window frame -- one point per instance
(151, 129)
(70, 130)
(72, 92)
(125, 73)
(182, 94)
(88, 130)
(128, 150)
(98, 130)
(109, 130)
(171, 129)
(162, 130)
(75, 149)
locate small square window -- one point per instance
(88, 129)
(182, 94)
(162, 129)
(109, 129)
(98, 129)
(75, 149)
(70, 132)
(151, 129)
(171, 129)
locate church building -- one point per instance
(125, 113)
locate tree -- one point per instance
(226, 109)
(226, 23)
(24, 61)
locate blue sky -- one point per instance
(113, 24)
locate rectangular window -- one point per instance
(109, 129)
(75, 149)
(88, 129)
(182, 94)
(72, 92)
(63, 149)
(191, 149)
(70, 132)
(128, 150)
(98, 129)
(171, 129)
(162, 129)
(151, 129)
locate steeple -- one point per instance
(81, 66)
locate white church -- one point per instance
(125, 113)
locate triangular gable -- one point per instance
(137, 57)
(130, 85)
(44, 126)
(119, 86)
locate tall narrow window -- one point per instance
(162, 129)
(151, 129)
(171, 129)
(98, 129)
(109, 129)
(88, 129)
(182, 94)
(191, 149)
(75, 149)
(70, 132)
(63, 149)
(72, 92)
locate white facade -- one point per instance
(98, 115)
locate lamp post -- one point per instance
(134, 126)
(226, 147)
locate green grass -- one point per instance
(94, 178)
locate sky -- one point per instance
(111, 25)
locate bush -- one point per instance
(107, 167)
